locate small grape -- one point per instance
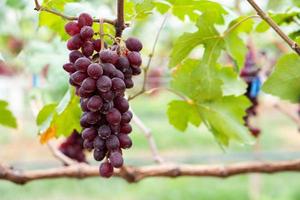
(134, 58)
(104, 131)
(108, 56)
(99, 154)
(95, 70)
(118, 85)
(71, 46)
(106, 170)
(87, 48)
(109, 69)
(88, 144)
(83, 122)
(106, 107)
(76, 41)
(122, 62)
(104, 84)
(77, 77)
(89, 133)
(119, 74)
(116, 159)
(89, 85)
(92, 117)
(95, 103)
(83, 104)
(133, 44)
(86, 32)
(85, 19)
(72, 28)
(74, 55)
(99, 143)
(112, 142)
(69, 67)
(136, 71)
(126, 117)
(121, 104)
(97, 45)
(73, 83)
(126, 128)
(128, 83)
(115, 129)
(113, 116)
(125, 141)
(82, 64)
(107, 96)
(84, 93)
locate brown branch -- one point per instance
(275, 27)
(148, 134)
(120, 22)
(146, 69)
(135, 174)
(38, 7)
(59, 155)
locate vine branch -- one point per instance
(135, 174)
(59, 155)
(275, 27)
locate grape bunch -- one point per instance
(73, 147)
(100, 75)
(250, 74)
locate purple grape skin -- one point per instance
(121, 104)
(87, 48)
(76, 41)
(129, 83)
(72, 28)
(97, 45)
(82, 64)
(95, 70)
(99, 143)
(116, 159)
(106, 170)
(122, 62)
(126, 117)
(78, 77)
(85, 19)
(119, 74)
(133, 44)
(104, 84)
(134, 58)
(88, 144)
(112, 142)
(83, 122)
(89, 85)
(73, 83)
(74, 55)
(99, 154)
(86, 32)
(126, 128)
(89, 133)
(118, 84)
(83, 104)
(136, 71)
(125, 141)
(71, 46)
(108, 56)
(95, 103)
(113, 116)
(92, 117)
(69, 67)
(104, 131)
(106, 107)
(108, 69)
(83, 93)
(107, 96)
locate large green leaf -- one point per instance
(224, 117)
(60, 118)
(284, 82)
(6, 117)
(181, 113)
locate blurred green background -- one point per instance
(32, 72)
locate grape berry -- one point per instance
(100, 76)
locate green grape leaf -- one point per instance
(284, 80)
(19, 4)
(143, 9)
(181, 113)
(161, 6)
(54, 22)
(197, 80)
(55, 120)
(224, 117)
(232, 83)
(7, 118)
(235, 46)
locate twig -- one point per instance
(287, 113)
(275, 27)
(38, 7)
(59, 155)
(148, 134)
(146, 69)
(135, 174)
